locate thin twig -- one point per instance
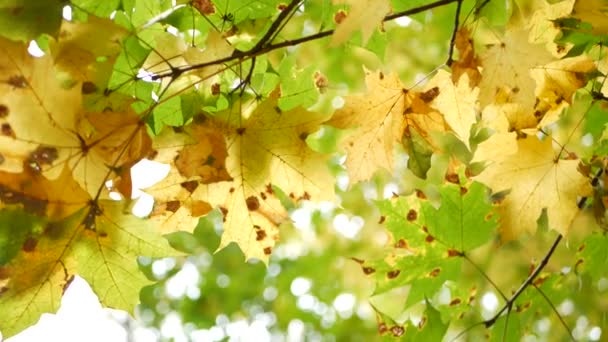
(276, 25)
(488, 323)
(561, 319)
(485, 276)
(454, 32)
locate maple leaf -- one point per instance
(197, 155)
(364, 15)
(468, 62)
(537, 180)
(506, 74)
(266, 148)
(556, 83)
(593, 12)
(84, 243)
(81, 44)
(32, 88)
(45, 118)
(378, 120)
(457, 102)
(387, 115)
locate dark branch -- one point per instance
(509, 304)
(276, 26)
(263, 49)
(454, 32)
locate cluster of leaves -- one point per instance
(507, 136)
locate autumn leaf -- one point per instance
(82, 46)
(378, 122)
(32, 87)
(266, 147)
(556, 83)
(458, 103)
(84, 244)
(387, 115)
(94, 145)
(468, 62)
(537, 180)
(364, 15)
(593, 12)
(506, 76)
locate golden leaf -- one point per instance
(537, 180)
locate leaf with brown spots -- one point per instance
(262, 149)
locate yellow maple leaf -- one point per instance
(556, 82)
(378, 121)
(266, 147)
(537, 180)
(594, 12)
(457, 102)
(36, 108)
(468, 61)
(381, 118)
(364, 15)
(82, 42)
(507, 79)
(45, 121)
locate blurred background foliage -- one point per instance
(314, 286)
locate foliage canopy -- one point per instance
(468, 135)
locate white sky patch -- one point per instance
(67, 13)
(301, 218)
(295, 330)
(344, 304)
(223, 281)
(146, 76)
(300, 286)
(34, 50)
(183, 282)
(270, 293)
(307, 302)
(348, 227)
(566, 308)
(160, 267)
(173, 30)
(489, 302)
(587, 140)
(390, 189)
(595, 333)
(145, 174)
(404, 21)
(172, 327)
(337, 102)
(80, 318)
(370, 192)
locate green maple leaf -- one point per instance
(465, 219)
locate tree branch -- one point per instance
(276, 26)
(509, 304)
(263, 49)
(454, 32)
